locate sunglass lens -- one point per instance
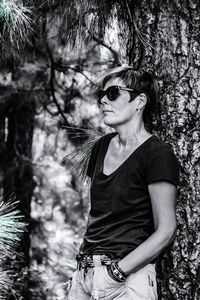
(112, 93)
(100, 95)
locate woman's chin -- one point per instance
(110, 122)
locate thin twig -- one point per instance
(101, 42)
(52, 76)
(64, 68)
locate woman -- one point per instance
(134, 176)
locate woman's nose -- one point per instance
(104, 100)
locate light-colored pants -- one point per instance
(97, 284)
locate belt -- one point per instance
(90, 261)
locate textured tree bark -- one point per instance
(165, 37)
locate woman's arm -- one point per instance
(163, 200)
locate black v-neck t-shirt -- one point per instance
(120, 218)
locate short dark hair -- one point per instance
(147, 84)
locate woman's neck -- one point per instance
(131, 136)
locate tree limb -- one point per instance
(51, 82)
(101, 42)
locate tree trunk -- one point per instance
(165, 37)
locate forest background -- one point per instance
(52, 56)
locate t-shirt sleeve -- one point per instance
(162, 165)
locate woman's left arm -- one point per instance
(163, 200)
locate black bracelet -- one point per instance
(117, 272)
(110, 273)
(120, 270)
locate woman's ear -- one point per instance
(142, 100)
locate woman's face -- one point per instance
(119, 111)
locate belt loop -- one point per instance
(95, 289)
(78, 263)
(96, 295)
(97, 260)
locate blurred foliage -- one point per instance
(60, 201)
(61, 85)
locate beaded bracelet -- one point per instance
(117, 272)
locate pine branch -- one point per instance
(15, 25)
(6, 282)
(117, 61)
(51, 82)
(12, 228)
(78, 160)
(76, 69)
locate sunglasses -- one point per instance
(112, 92)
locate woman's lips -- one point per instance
(106, 111)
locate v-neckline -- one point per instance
(125, 161)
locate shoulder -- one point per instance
(158, 147)
(157, 144)
(160, 162)
(160, 153)
(101, 141)
(108, 136)
(99, 145)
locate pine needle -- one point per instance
(6, 282)
(11, 226)
(15, 25)
(78, 160)
(15, 16)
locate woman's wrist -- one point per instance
(121, 266)
(110, 273)
(116, 272)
